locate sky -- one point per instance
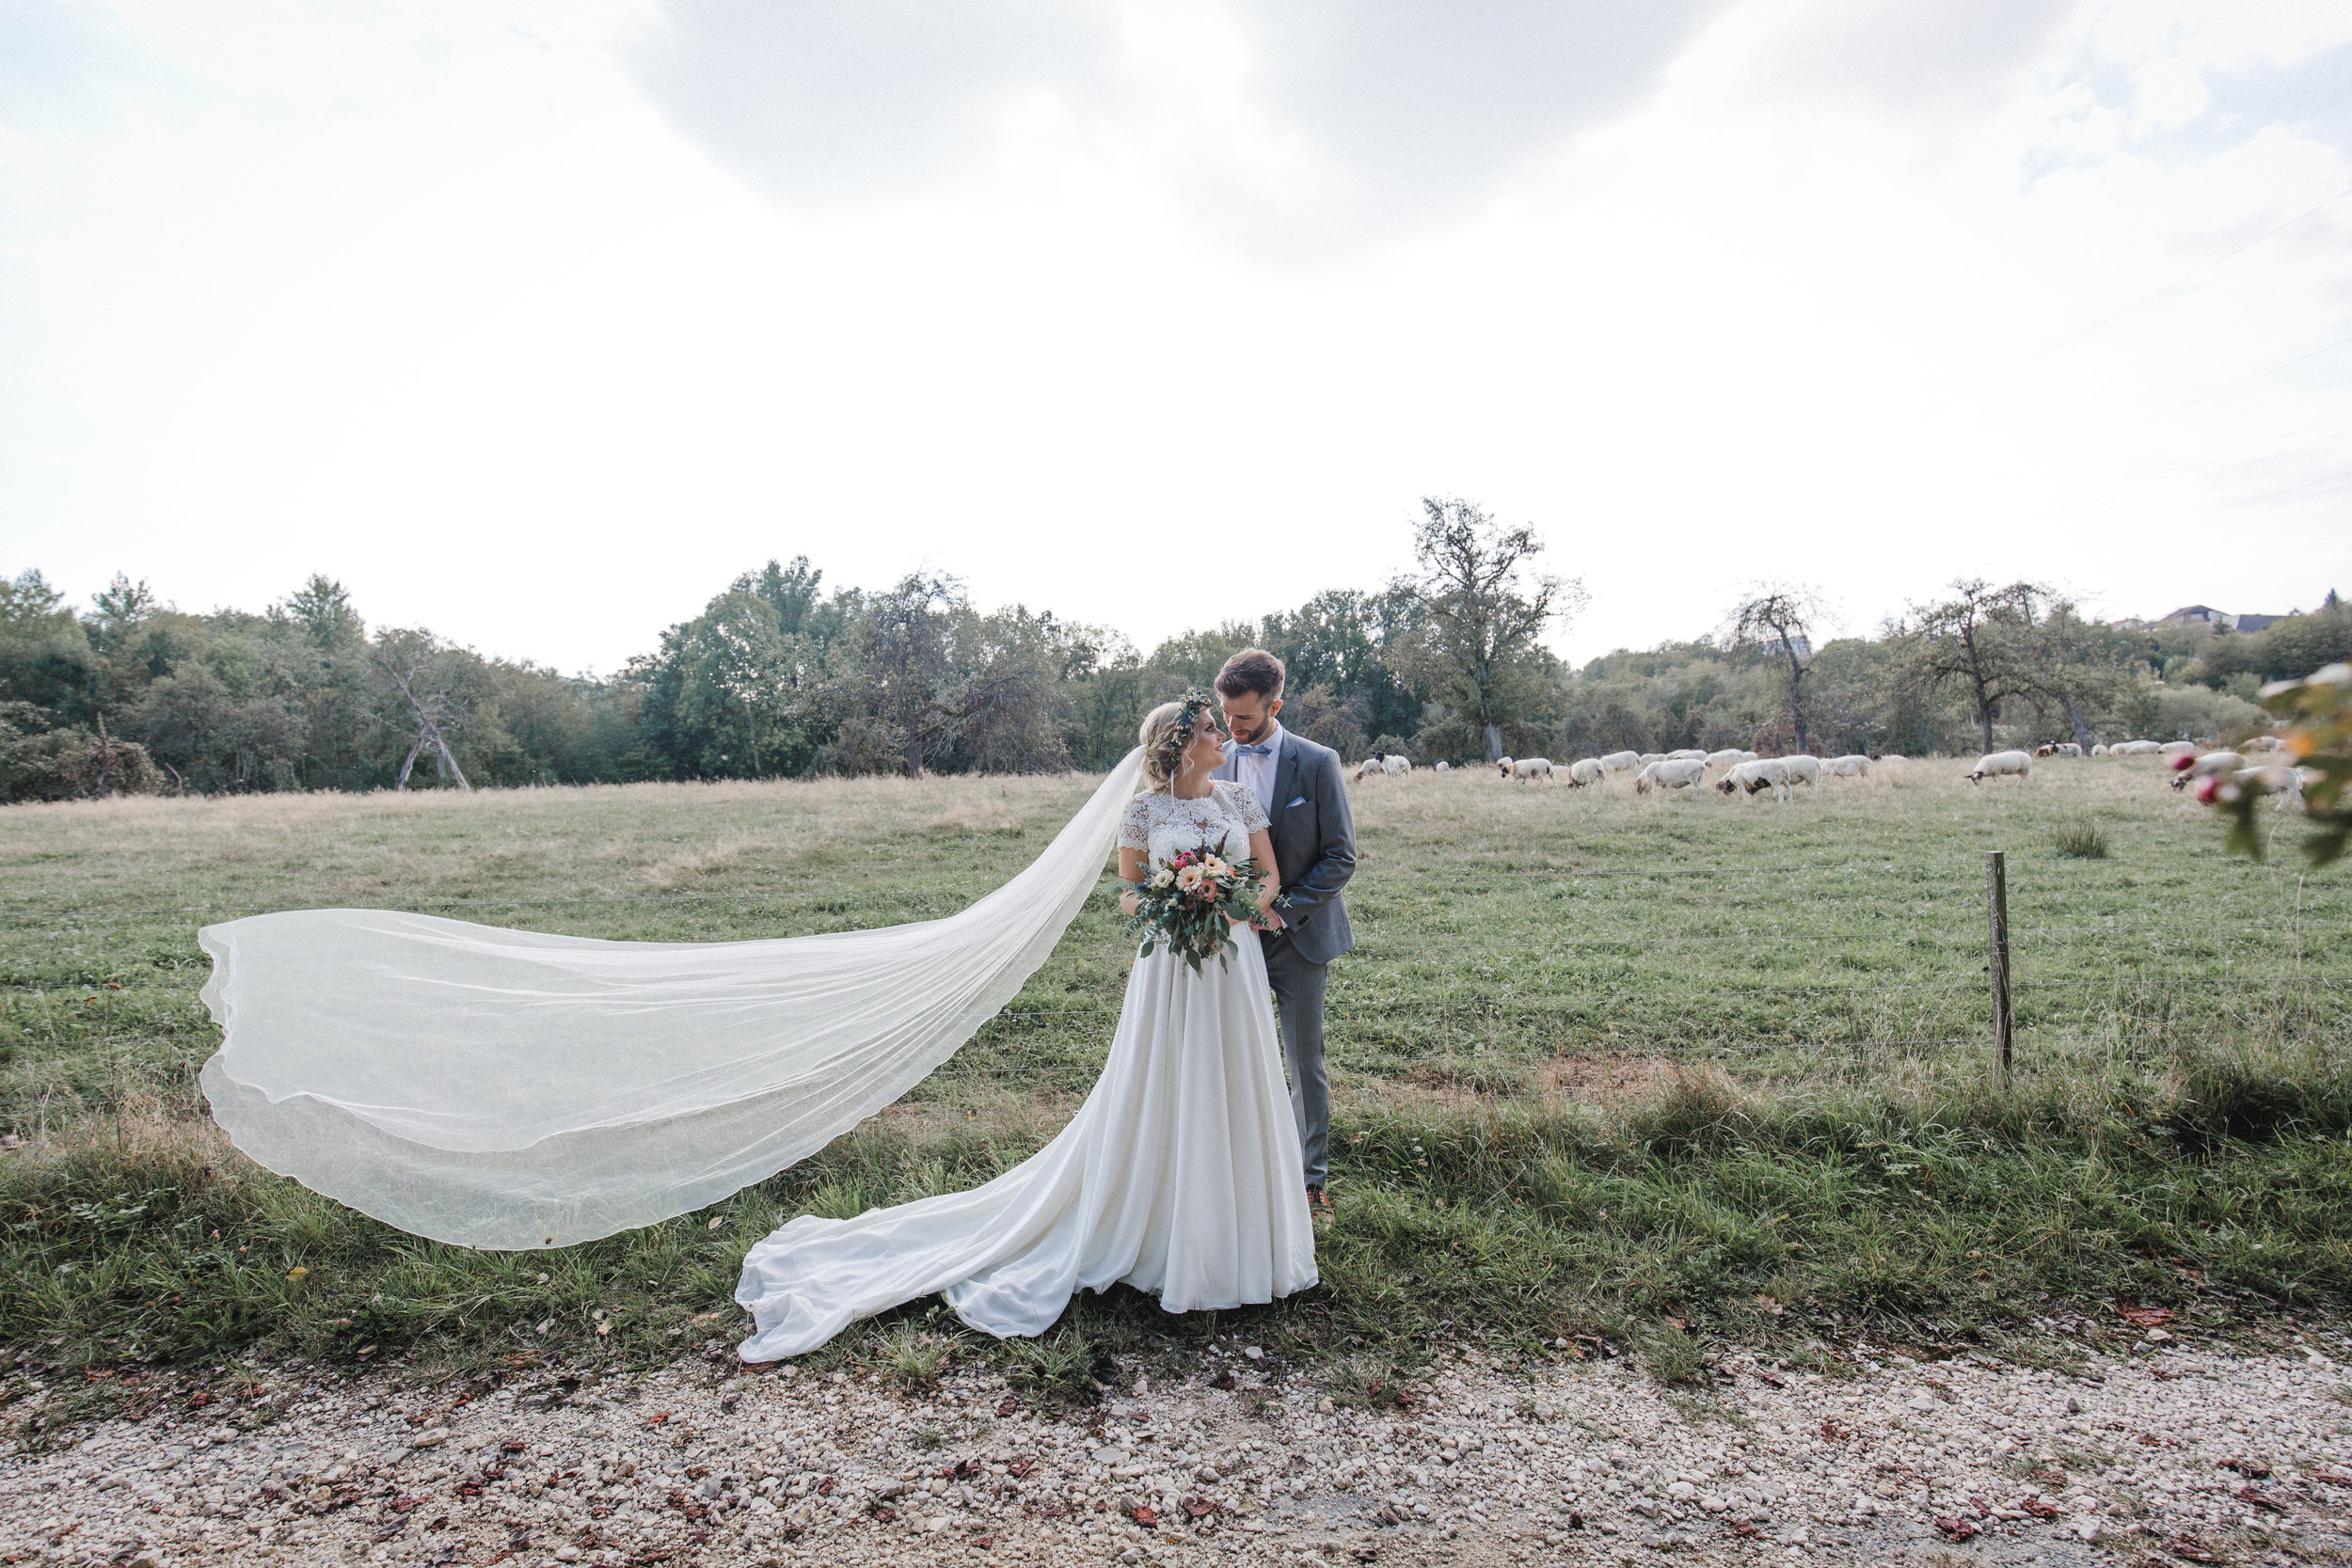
(536, 322)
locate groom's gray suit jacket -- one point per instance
(1314, 844)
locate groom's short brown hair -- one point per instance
(1251, 670)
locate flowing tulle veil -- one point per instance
(512, 1089)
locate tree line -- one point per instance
(780, 677)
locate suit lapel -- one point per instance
(1286, 779)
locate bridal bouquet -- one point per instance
(1188, 905)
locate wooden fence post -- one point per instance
(1996, 906)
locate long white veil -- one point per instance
(510, 1089)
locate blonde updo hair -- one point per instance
(1163, 737)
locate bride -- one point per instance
(521, 1090)
(1178, 1174)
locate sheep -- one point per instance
(1749, 756)
(1444, 766)
(2066, 748)
(2205, 767)
(2172, 749)
(1671, 773)
(2043, 751)
(2001, 764)
(1587, 772)
(1396, 766)
(2263, 743)
(1685, 754)
(1524, 767)
(2134, 749)
(1730, 756)
(1802, 769)
(1756, 776)
(1850, 766)
(1620, 762)
(2100, 750)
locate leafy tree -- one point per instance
(1777, 624)
(1981, 639)
(1479, 615)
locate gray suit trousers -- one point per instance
(1299, 1003)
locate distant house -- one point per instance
(2217, 620)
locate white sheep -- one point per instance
(2206, 766)
(2100, 750)
(2172, 749)
(1730, 756)
(1756, 776)
(1802, 769)
(2135, 749)
(1685, 754)
(1671, 773)
(1588, 774)
(2263, 743)
(1645, 758)
(2067, 749)
(1851, 765)
(1524, 767)
(2001, 764)
(1396, 766)
(1444, 766)
(1621, 762)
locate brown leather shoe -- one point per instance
(1319, 1202)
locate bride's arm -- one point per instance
(1262, 851)
(1130, 871)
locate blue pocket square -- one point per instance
(1300, 801)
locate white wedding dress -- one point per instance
(1180, 1175)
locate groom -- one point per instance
(1298, 784)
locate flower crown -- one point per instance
(1196, 701)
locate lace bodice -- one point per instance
(1164, 826)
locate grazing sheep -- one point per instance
(2100, 750)
(2172, 749)
(2067, 749)
(2263, 743)
(2002, 765)
(1885, 757)
(2206, 766)
(1685, 754)
(2135, 749)
(1524, 767)
(1802, 769)
(1396, 766)
(1852, 765)
(1621, 762)
(1756, 776)
(1645, 758)
(1730, 756)
(1587, 772)
(1444, 766)
(1671, 773)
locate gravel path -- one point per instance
(2167, 1453)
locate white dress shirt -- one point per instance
(1258, 772)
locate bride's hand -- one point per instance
(1129, 902)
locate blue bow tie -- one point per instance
(1242, 750)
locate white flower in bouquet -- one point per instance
(1163, 879)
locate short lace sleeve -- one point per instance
(1245, 800)
(1135, 825)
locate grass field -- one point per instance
(1648, 1070)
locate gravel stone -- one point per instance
(2160, 1453)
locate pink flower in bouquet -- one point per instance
(1188, 877)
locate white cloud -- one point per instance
(1133, 323)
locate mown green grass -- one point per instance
(1787, 1003)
